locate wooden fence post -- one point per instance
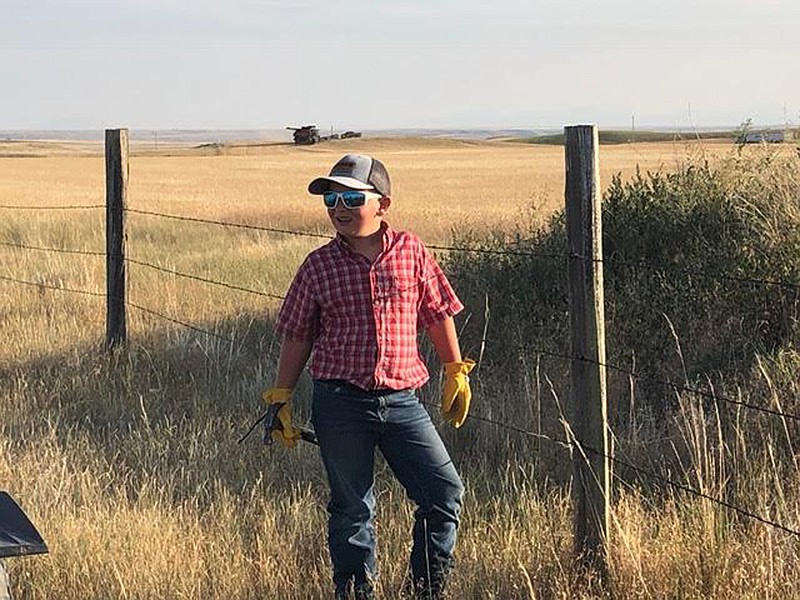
(588, 410)
(116, 200)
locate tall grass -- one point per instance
(130, 467)
(702, 278)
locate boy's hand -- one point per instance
(287, 434)
(457, 393)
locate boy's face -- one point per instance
(361, 221)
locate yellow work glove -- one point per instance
(286, 433)
(457, 394)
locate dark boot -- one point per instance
(342, 592)
(422, 588)
(365, 591)
(361, 591)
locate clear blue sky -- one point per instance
(247, 64)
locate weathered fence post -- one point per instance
(588, 411)
(116, 200)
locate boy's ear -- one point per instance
(385, 203)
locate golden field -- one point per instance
(129, 464)
(438, 184)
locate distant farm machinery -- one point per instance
(305, 135)
(308, 135)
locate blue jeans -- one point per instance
(350, 423)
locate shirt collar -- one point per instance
(388, 237)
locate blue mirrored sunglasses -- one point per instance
(350, 199)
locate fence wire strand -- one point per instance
(51, 287)
(467, 250)
(164, 317)
(672, 384)
(227, 224)
(611, 260)
(51, 249)
(203, 279)
(502, 425)
(692, 491)
(67, 207)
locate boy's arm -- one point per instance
(294, 355)
(445, 340)
(456, 395)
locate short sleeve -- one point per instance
(438, 300)
(298, 318)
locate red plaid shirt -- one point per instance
(363, 316)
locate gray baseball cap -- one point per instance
(356, 171)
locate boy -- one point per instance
(357, 303)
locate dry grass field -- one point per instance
(129, 464)
(438, 184)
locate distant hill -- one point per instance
(627, 137)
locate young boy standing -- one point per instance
(355, 307)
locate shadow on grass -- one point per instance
(172, 400)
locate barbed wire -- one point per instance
(514, 428)
(228, 224)
(51, 287)
(203, 279)
(51, 249)
(688, 489)
(67, 207)
(143, 264)
(672, 384)
(709, 395)
(606, 260)
(688, 269)
(159, 315)
(394, 292)
(465, 249)
(649, 474)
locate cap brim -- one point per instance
(322, 184)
